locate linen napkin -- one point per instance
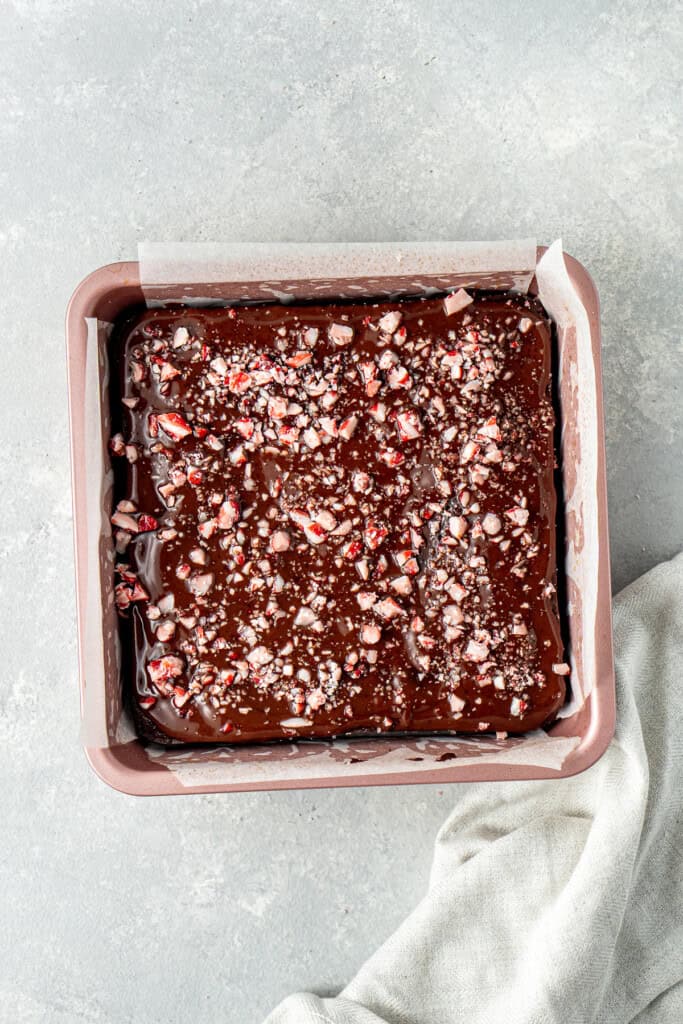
(561, 901)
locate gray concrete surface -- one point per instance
(285, 120)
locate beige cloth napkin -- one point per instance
(555, 902)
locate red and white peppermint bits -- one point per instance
(326, 511)
(456, 301)
(162, 670)
(173, 424)
(341, 334)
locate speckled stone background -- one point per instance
(285, 120)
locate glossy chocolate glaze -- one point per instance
(347, 525)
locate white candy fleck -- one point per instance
(279, 541)
(476, 651)
(341, 334)
(370, 634)
(305, 617)
(491, 524)
(390, 321)
(561, 668)
(457, 526)
(456, 301)
(259, 656)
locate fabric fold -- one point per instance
(555, 901)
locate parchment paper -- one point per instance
(577, 390)
(224, 274)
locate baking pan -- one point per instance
(574, 742)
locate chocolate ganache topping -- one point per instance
(337, 519)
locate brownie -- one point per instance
(337, 519)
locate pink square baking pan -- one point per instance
(197, 274)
